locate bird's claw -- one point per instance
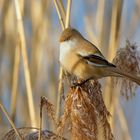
(74, 85)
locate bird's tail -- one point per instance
(120, 73)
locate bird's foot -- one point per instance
(75, 84)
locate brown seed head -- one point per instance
(127, 60)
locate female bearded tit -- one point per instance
(80, 57)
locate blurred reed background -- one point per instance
(106, 23)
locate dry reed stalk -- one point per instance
(113, 44)
(115, 28)
(114, 35)
(10, 121)
(123, 121)
(61, 72)
(85, 109)
(40, 120)
(60, 92)
(38, 20)
(4, 12)
(100, 14)
(15, 81)
(99, 20)
(59, 14)
(49, 108)
(60, 11)
(25, 63)
(50, 111)
(67, 23)
(40, 12)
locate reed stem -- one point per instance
(10, 121)
(25, 63)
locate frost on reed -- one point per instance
(127, 60)
(86, 113)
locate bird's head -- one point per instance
(69, 34)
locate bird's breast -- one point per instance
(70, 61)
(66, 50)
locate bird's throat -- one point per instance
(66, 48)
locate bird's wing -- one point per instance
(92, 55)
(97, 60)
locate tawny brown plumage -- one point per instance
(83, 59)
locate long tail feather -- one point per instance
(120, 73)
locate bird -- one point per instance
(80, 57)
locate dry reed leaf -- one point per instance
(87, 114)
(127, 60)
(49, 108)
(29, 133)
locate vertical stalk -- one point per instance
(62, 9)
(99, 21)
(61, 14)
(113, 45)
(15, 81)
(57, 6)
(40, 119)
(68, 13)
(60, 92)
(61, 73)
(25, 63)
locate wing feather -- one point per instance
(96, 60)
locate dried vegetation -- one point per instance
(127, 59)
(84, 114)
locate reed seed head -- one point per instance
(86, 113)
(128, 61)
